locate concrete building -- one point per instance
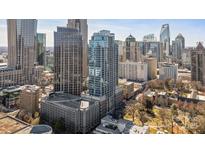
(41, 48)
(103, 66)
(11, 77)
(82, 26)
(81, 115)
(29, 98)
(121, 50)
(165, 39)
(186, 57)
(137, 71)
(10, 98)
(198, 63)
(68, 55)
(127, 88)
(152, 67)
(168, 71)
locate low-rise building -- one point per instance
(109, 125)
(12, 125)
(80, 114)
(29, 98)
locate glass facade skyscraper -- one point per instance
(165, 39)
(179, 45)
(68, 60)
(103, 66)
(41, 48)
(22, 44)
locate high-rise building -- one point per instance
(136, 71)
(132, 50)
(165, 39)
(68, 57)
(82, 26)
(41, 48)
(179, 45)
(152, 67)
(22, 44)
(103, 66)
(168, 71)
(198, 63)
(121, 50)
(149, 38)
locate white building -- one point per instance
(133, 70)
(109, 125)
(168, 71)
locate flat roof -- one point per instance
(10, 125)
(69, 100)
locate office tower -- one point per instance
(152, 48)
(132, 50)
(149, 38)
(152, 67)
(165, 39)
(136, 71)
(41, 48)
(103, 66)
(121, 50)
(168, 71)
(198, 63)
(68, 60)
(22, 44)
(82, 26)
(29, 98)
(179, 45)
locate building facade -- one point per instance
(165, 39)
(132, 50)
(41, 48)
(178, 47)
(168, 71)
(152, 67)
(103, 66)
(82, 26)
(68, 55)
(29, 98)
(198, 63)
(22, 45)
(80, 115)
(137, 71)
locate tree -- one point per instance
(59, 126)
(131, 109)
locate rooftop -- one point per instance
(69, 100)
(10, 125)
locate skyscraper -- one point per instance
(82, 26)
(22, 44)
(68, 60)
(179, 45)
(103, 66)
(198, 63)
(165, 39)
(41, 48)
(132, 51)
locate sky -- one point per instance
(192, 30)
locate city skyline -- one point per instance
(192, 30)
